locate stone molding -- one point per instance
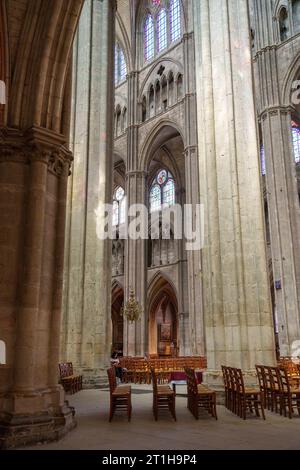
(34, 145)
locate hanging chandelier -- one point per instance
(132, 310)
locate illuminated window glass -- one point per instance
(162, 192)
(120, 65)
(118, 207)
(262, 160)
(296, 142)
(162, 39)
(175, 20)
(169, 193)
(149, 38)
(155, 198)
(156, 2)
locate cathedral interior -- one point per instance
(160, 104)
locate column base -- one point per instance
(93, 378)
(34, 417)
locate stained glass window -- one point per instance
(162, 38)
(175, 20)
(262, 160)
(119, 204)
(149, 38)
(120, 65)
(169, 193)
(156, 2)
(162, 192)
(296, 142)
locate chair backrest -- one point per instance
(154, 380)
(64, 369)
(192, 385)
(260, 371)
(274, 378)
(239, 380)
(111, 373)
(283, 377)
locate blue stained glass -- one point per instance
(169, 193)
(262, 160)
(155, 198)
(296, 143)
(175, 20)
(162, 39)
(149, 38)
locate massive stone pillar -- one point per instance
(196, 324)
(284, 219)
(275, 113)
(237, 308)
(86, 334)
(34, 168)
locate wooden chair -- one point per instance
(289, 395)
(247, 398)
(71, 382)
(163, 397)
(199, 396)
(120, 395)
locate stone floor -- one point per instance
(94, 432)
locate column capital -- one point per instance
(137, 173)
(36, 144)
(275, 110)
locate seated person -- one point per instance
(116, 364)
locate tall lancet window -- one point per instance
(119, 202)
(149, 38)
(162, 191)
(162, 37)
(296, 141)
(120, 65)
(175, 20)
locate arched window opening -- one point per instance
(119, 207)
(149, 38)
(179, 87)
(151, 102)
(284, 24)
(162, 191)
(124, 120)
(164, 93)
(175, 20)
(120, 65)
(171, 89)
(144, 109)
(296, 15)
(157, 98)
(2, 353)
(118, 122)
(162, 38)
(296, 141)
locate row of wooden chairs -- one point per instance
(163, 396)
(281, 392)
(137, 370)
(238, 398)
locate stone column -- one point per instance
(87, 284)
(284, 217)
(135, 250)
(33, 166)
(196, 326)
(237, 308)
(136, 270)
